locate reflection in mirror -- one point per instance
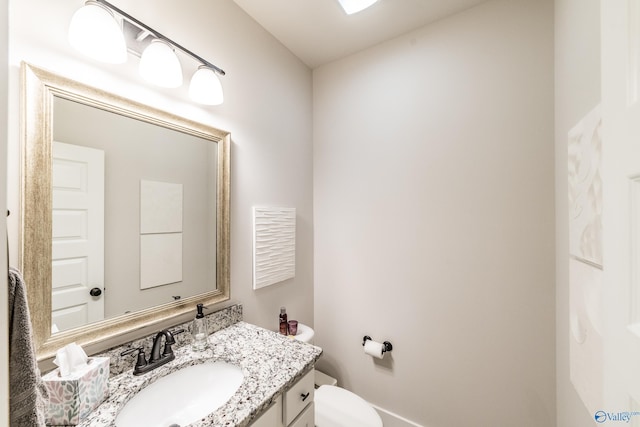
(134, 214)
(124, 212)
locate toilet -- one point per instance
(335, 406)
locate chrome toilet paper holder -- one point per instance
(387, 345)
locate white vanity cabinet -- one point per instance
(294, 408)
(272, 417)
(306, 417)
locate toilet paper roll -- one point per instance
(374, 348)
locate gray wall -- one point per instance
(577, 92)
(434, 218)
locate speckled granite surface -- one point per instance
(270, 363)
(215, 321)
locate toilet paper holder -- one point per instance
(387, 345)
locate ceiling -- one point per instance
(318, 31)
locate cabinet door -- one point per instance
(306, 418)
(272, 417)
(298, 397)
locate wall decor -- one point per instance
(274, 245)
(586, 369)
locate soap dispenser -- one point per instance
(199, 331)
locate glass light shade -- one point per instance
(160, 65)
(94, 32)
(354, 6)
(205, 87)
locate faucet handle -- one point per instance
(171, 334)
(141, 361)
(170, 341)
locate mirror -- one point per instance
(152, 237)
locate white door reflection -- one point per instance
(78, 236)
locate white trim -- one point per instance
(4, 268)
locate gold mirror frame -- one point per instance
(38, 89)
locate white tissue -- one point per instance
(70, 358)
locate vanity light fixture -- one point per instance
(160, 65)
(98, 28)
(95, 32)
(205, 87)
(353, 6)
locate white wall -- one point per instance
(267, 109)
(434, 218)
(577, 91)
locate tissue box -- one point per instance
(73, 397)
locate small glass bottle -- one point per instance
(199, 331)
(284, 326)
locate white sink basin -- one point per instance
(182, 397)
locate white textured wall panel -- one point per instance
(274, 245)
(161, 207)
(160, 259)
(585, 188)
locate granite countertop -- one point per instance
(270, 363)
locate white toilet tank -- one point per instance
(335, 406)
(305, 333)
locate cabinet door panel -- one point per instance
(306, 418)
(272, 417)
(298, 397)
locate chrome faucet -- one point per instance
(157, 358)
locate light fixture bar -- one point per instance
(143, 26)
(143, 34)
